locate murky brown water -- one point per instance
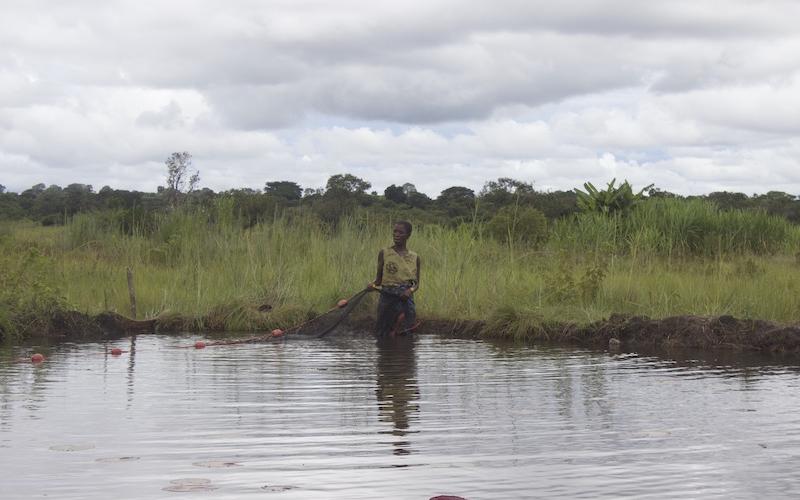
(346, 418)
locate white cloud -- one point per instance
(689, 95)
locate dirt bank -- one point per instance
(721, 332)
(621, 331)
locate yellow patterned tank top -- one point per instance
(399, 269)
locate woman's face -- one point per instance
(399, 234)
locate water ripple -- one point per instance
(351, 418)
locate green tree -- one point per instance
(180, 176)
(457, 202)
(50, 205)
(78, 198)
(779, 203)
(10, 208)
(555, 204)
(729, 201)
(502, 192)
(418, 200)
(395, 194)
(343, 192)
(612, 199)
(287, 190)
(346, 184)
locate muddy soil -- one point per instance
(618, 331)
(624, 331)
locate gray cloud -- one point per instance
(554, 92)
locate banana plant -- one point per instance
(612, 199)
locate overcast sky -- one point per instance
(692, 95)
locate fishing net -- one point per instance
(327, 322)
(318, 326)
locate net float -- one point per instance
(277, 332)
(37, 358)
(199, 344)
(116, 351)
(341, 303)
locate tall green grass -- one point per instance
(665, 258)
(678, 228)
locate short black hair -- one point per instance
(406, 225)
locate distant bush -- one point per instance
(518, 224)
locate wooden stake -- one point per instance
(132, 293)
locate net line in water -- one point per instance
(319, 326)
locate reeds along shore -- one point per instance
(667, 257)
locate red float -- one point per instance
(116, 351)
(277, 332)
(37, 358)
(342, 303)
(199, 344)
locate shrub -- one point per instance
(518, 224)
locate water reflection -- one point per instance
(397, 392)
(131, 370)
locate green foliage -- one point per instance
(29, 296)
(748, 268)
(342, 184)
(518, 224)
(610, 200)
(559, 283)
(505, 192)
(180, 177)
(591, 281)
(395, 194)
(458, 202)
(677, 227)
(284, 189)
(567, 283)
(508, 321)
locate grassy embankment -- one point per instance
(668, 257)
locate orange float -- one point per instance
(277, 332)
(342, 303)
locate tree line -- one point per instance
(341, 196)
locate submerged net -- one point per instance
(318, 326)
(327, 322)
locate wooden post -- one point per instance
(132, 293)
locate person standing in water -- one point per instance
(397, 280)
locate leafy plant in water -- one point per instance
(610, 200)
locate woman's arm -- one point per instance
(416, 285)
(379, 273)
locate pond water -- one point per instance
(346, 417)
